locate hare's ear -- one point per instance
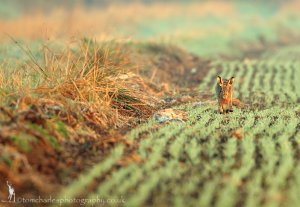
(231, 80)
(220, 81)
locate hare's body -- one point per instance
(224, 91)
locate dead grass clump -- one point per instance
(97, 80)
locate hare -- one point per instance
(224, 91)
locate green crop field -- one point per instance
(85, 92)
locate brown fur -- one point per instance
(236, 102)
(224, 90)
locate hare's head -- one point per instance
(226, 87)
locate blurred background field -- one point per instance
(207, 28)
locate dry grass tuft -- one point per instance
(97, 82)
